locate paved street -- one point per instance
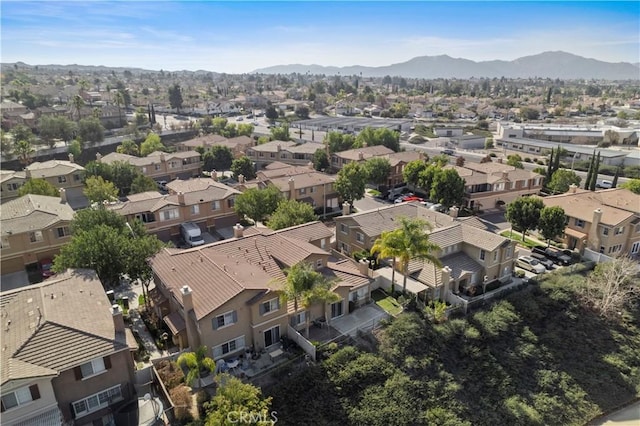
(369, 203)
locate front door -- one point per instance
(635, 248)
(336, 309)
(271, 336)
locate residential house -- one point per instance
(227, 295)
(160, 165)
(398, 160)
(288, 152)
(34, 228)
(605, 222)
(59, 173)
(299, 183)
(448, 132)
(493, 185)
(10, 183)
(470, 254)
(203, 201)
(237, 145)
(341, 159)
(66, 353)
(12, 113)
(206, 141)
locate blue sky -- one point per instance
(243, 36)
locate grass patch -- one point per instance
(374, 192)
(517, 236)
(386, 302)
(141, 300)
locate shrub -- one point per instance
(493, 154)
(527, 160)
(181, 397)
(170, 374)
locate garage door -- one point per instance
(12, 265)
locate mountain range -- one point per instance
(561, 65)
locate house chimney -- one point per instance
(453, 212)
(63, 195)
(500, 160)
(70, 157)
(310, 165)
(594, 234)
(27, 173)
(360, 156)
(214, 175)
(162, 159)
(363, 267)
(238, 231)
(98, 157)
(279, 147)
(187, 305)
(240, 178)
(446, 282)
(181, 198)
(346, 209)
(505, 174)
(292, 189)
(572, 188)
(118, 318)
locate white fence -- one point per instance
(595, 256)
(306, 345)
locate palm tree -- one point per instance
(306, 286)
(387, 246)
(411, 241)
(23, 150)
(198, 362)
(119, 98)
(77, 103)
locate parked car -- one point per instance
(556, 256)
(544, 260)
(45, 267)
(530, 264)
(604, 184)
(448, 152)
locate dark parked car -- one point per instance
(448, 152)
(544, 261)
(555, 255)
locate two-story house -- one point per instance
(59, 173)
(298, 183)
(34, 228)
(227, 295)
(606, 222)
(66, 353)
(10, 183)
(161, 166)
(203, 201)
(492, 185)
(292, 153)
(238, 145)
(341, 159)
(469, 253)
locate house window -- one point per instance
(283, 156)
(228, 347)
(344, 229)
(93, 367)
(336, 309)
(63, 231)
(272, 155)
(538, 182)
(495, 256)
(12, 186)
(231, 202)
(269, 306)
(62, 179)
(97, 401)
(323, 243)
(482, 254)
(195, 209)
(173, 164)
(359, 237)
(498, 187)
(20, 396)
(76, 177)
(605, 230)
(35, 236)
(144, 170)
(312, 189)
(156, 167)
(215, 205)
(299, 318)
(4, 242)
(508, 252)
(272, 336)
(619, 230)
(260, 154)
(225, 320)
(601, 249)
(319, 264)
(169, 215)
(303, 191)
(579, 223)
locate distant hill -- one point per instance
(96, 68)
(545, 65)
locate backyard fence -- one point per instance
(301, 341)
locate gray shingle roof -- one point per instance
(53, 168)
(33, 212)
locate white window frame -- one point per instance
(22, 396)
(62, 179)
(299, 318)
(619, 230)
(195, 209)
(271, 306)
(482, 255)
(170, 214)
(36, 237)
(508, 252)
(275, 341)
(4, 243)
(97, 367)
(495, 256)
(227, 319)
(579, 223)
(360, 237)
(605, 231)
(341, 309)
(344, 228)
(103, 398)
(228, 347)
(215, 205)
(13, 187)
(65, 231)
(303, 191)
(319, 264)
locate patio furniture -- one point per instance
(275, 354)
(233, 365)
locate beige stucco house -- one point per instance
(59, 173)
(67, 355)
(292, 153)
(161, 165)
(10, 183)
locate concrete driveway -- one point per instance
(497, 219)
(369, 203)
(14, 280)
(363, 317)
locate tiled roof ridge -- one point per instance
(224, 271)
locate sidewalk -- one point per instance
(140, 328)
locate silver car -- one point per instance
(530, 264)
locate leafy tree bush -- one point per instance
(38, 187)
(350, 183)
(243, 166)
(291, 213)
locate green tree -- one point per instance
(562, 179)
(98, 190)
(320, 160)
(151, 144)
(411, 240)
(175, 97)
(524, 213)
(271, 113)
(217, 158)
(411, 172)
(383, 136)
(594, 175)
(427, 177)
(350, 183)
(243, 166)
(552, 222)
(306, 287)
(388, 245)
(119, 98)
(590, 171)
(339, 142)
(198, 363)
(447, 188)
(141, 117)
(244, 129)
(515, 160)
(22, 133)
(90, 130)
(75, 148)
(291, 213)
(142, 183)
(23, 150)
(128, 147)
(76, 105)
(102, 241)
(52, 128)
(280, 133)
(218, 125)
(234, 397)
(378, 169)
(38, 187)
(632, 185)
(122, 175)
(527, 113)
(258, 204)
(302, 111)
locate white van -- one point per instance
(605, 184)
(191, 234)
